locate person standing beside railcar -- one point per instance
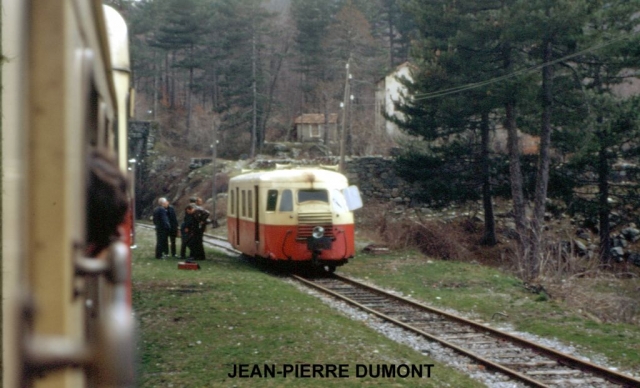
(163, 228)
(184, 232)
(201, 216)
(173, 233)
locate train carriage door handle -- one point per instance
(108, 353)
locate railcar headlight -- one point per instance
(318, 232)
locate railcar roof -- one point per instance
(293, 175)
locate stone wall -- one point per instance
(377, 180)
(374, 175)
(142, 138)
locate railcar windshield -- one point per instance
(313, 195)
(286, 201)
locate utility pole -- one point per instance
(344, 116)
(214, 146)
(350, 132)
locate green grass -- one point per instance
(195, 325)
(494, 297)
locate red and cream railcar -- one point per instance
(296, 215)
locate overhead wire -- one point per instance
(474, 85)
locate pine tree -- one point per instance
(312, 19)
(548, 30)
(610, 122)
(461, 44)
(238, 37)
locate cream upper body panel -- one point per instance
(293, 180)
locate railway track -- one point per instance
(522, 360)
(217, 242)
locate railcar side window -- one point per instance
(313, 195)
(250, 203)
(286, 202)
(233, 202)
(272, 200)
(244, 203)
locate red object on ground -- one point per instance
(186, 265)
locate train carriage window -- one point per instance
(244, 203)
(250, 203)
(286, 202)
(272, 200)
(233, 202)
(313, 195)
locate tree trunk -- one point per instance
(272, 89)
(254, 126)
(189, 102)
(515, 175)
(515, 169)
(603, 203)
(489, 237)
(542, 177)
(392, 58)
(325, 132)
(167, 79)
(214, 92)
(156, 79)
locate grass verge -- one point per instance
(491, 296)
(195, 325)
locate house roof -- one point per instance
(397, 69)
(315, 118)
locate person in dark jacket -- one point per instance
(200, 217)
(107, 201)
(173, 233)
(163, 228)
(184, 230)
(189, 233)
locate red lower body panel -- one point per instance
(281, 242)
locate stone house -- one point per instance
(390, 90)
(311, 127)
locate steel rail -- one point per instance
(215, 241)
(561, 358)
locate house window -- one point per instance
(314, 130)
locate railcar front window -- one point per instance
(313, 195)
(272, 200)
(286, 202)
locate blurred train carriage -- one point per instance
(301, 215)
(67, 318)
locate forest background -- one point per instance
(562, 70)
